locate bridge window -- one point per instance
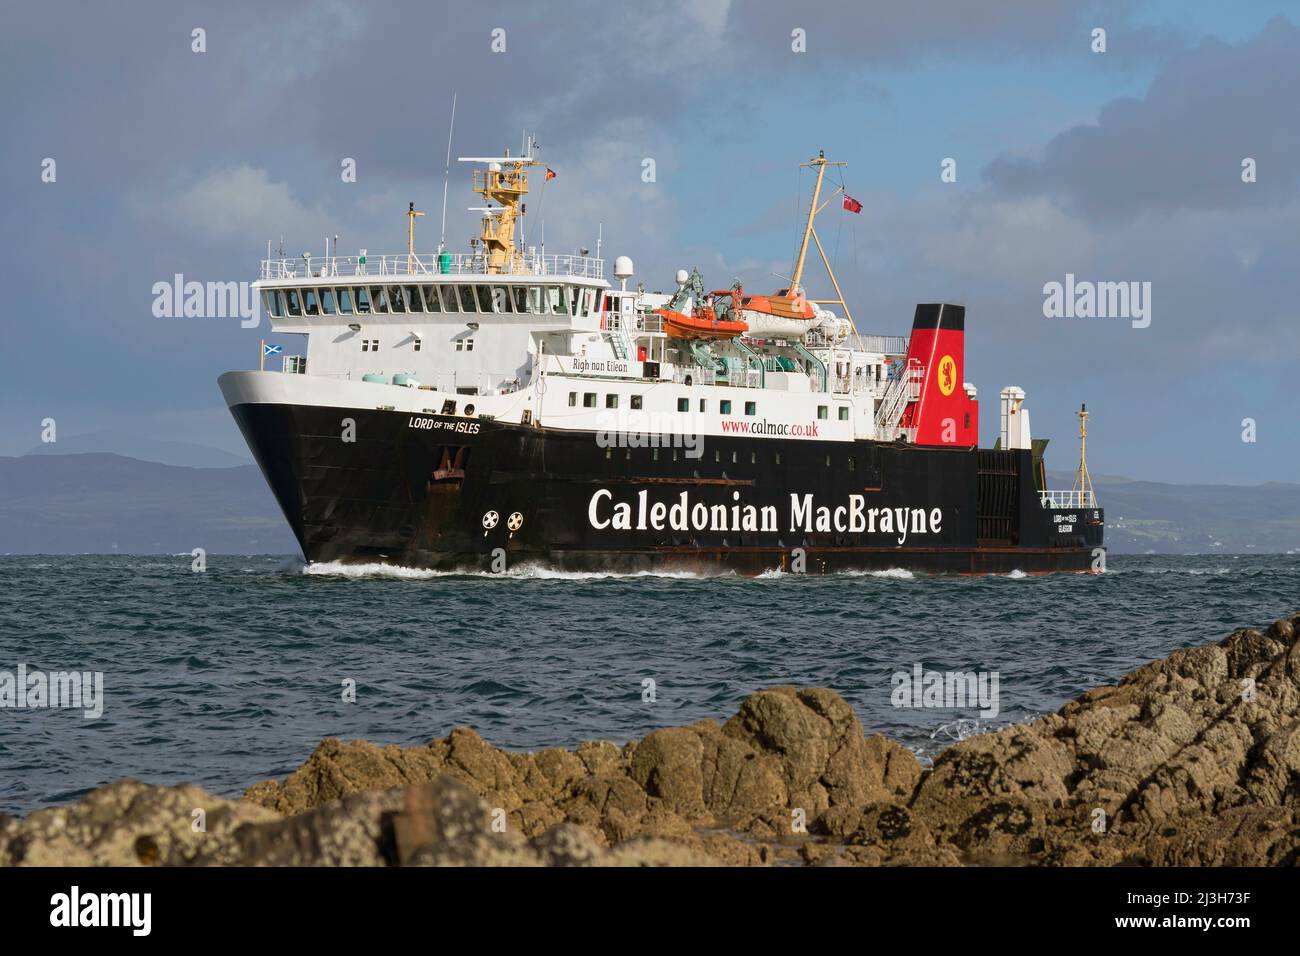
(362, 296)
(500, 300)
(395, 301)
(345, 300)
(310, 304)
(467, 299)
(271, 303)
(327, 301)
(521, 298)
(379, 299)
(431, 301)
(484, 298)
(292, 303)
(555, 300)
(449, 303)
(414, 301)
(683, 404)
(535, 299)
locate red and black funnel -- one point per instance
(944, 414)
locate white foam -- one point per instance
(898, 574)
(1016, 574)
(521, 572)
(370, 570)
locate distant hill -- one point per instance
(102, 503)
(1144, 516)
(164, 452)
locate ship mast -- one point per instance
(505, 182)
(411, 216)
(1083, 480)
(809, 232)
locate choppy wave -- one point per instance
(231, 676)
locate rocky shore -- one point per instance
(1191, 760)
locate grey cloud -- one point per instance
(1181, 146)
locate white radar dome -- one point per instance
(622, 267)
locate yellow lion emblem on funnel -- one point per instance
(947, 374)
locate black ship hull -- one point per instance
(447, 492)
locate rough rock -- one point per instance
(1191, 760)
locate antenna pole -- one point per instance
(446, 176)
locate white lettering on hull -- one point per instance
(683, 514)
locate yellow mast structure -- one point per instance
(411, 216)
(809, 232)
(504, 182)
(1083, 480)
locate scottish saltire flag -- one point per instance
(271, 349)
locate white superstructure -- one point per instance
(531, 338)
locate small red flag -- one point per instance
(851, 204)
(550, 174)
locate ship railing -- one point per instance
(895, 433)
(882, 344)
(634, 323)
(698, 374)
(902, 392)
(1067, 499)
(430, 264)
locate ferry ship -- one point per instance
(503, 407)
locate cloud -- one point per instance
(1180, 146)
(241, 203)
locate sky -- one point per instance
(1115, 166)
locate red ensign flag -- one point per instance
(550, 174)
(851, 204)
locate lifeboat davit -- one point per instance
(701, 324)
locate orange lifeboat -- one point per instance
(700, 324)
